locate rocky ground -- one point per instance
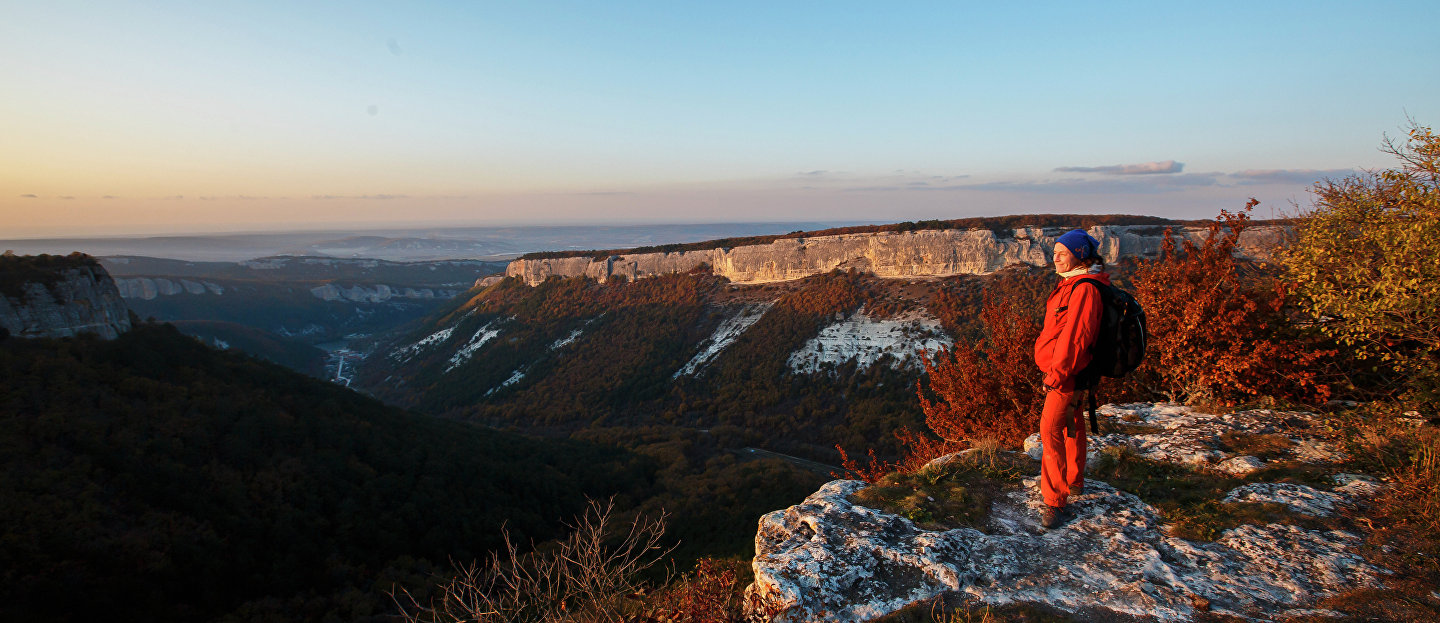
(830, 558)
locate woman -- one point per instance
(1072, 320)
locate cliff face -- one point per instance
(147, 289)
(914, 254)
(76, 300)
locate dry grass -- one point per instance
(956, 493)
(1268, 447)
(1404, 522)
(1190, 499)
(1406, 455)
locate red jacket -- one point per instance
(1072, 320)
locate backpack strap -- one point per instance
(1099, 287)
(1094, 423)
(1088, 378)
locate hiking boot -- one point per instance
(1080, 490)
(1052, 516)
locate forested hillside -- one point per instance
(154, 478)
(826, 360)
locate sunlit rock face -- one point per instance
(912, 254)
(830, 559)
(81, 300)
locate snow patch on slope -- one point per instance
(485, 334)
(866, 340)
(724, 335)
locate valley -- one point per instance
(301, 312)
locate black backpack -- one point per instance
(1119, 347)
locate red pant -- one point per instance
(1062, 466)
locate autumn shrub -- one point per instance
(1219, 332)
(1364, 266)
(712, 593)
(990, 388)
(986, 389)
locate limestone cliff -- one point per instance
(909, 254)
(54, 296)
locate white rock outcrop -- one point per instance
(911, 254)
(831, 559)
(867, 340)
(725, 334)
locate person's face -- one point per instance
(1065, 260)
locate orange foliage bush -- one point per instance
(711, 594)
(1218, 328)
(990, 388)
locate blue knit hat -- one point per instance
(1079, 243)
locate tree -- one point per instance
(1364, 263)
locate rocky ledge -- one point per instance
(65, 299)
(832, 559)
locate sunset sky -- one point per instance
(148, 117)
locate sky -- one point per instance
(155, 117)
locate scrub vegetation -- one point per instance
(17, 271)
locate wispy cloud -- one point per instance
(910, 187)
(1252, 177)
(1126, 186)
(29, 196)
(815, 173)
(1143, 168)
(380, 196)
(109, 197)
